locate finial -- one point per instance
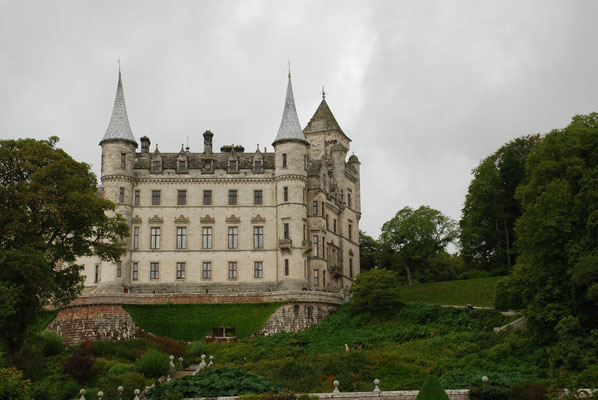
(118, 61)
(289, 64)
(323, 93)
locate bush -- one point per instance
(154, 364)
(52, 343)
(431, 390)
(530, 391)
(196, 350)
(376, 291)
(80, 364)
(169, 346)
(13, 386)
(489, 392)
(119, 369)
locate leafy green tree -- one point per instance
(491, 209)
(50, 214)
(417, 236)
(375, 291)
(557, 235)
(431, 390)
(369, 250)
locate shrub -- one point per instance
(13, 386)
(376, 291)
(80, 364)
(52, 343)
(169, 346)
(119, 369)
(154, 364)
(530, 391)
(196, 350)
(488, 392)
(431, 390)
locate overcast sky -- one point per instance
(425, 89)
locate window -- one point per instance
(257, 197)
(233, 237)
(314, 210)
(182, 165)
(181, 237)
(286, 266)
(121, 195)
(154, 270)
(351, 268)
(316, 277)
(322, 209)
(316, 246)
(286, 193)
(334, 225)
(155, 237)
(258, 269)
(207, 197)
(135, 238)
(232, 197)
(182, 198)
(155, 197)
(97, 274)
(304, 232)
(285, 230)
(180, 270)
(258, 237)
(232, 270)
(349, 199)
(326, 221)
(350, 231)
(135, 271)
(324, 279)
(206, 272)
(123, 160)
(156, 166)
(305, 162)
(207, 237)
(284, 160)
(137, 197)
(232, 166)
(258, 166)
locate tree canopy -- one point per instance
(375, 291)
(50, 214)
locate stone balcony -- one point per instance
(285, 244)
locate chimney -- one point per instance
(207, 142)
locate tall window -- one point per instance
(257, 197)
(334, 225)
(121, 195)
(232, 270)
(284, 160)
(135, 238)
(135, 271)
(206, 272)
(258, 166)
(314, 210)
(123, 160)
(181, 237)
(286, 193)
(258, 269)
(233, 237)
(157, 166)
(182, 198)
(349, 199)
(155, 237)
(154, 270)
(232, 166)
(207, 197)
(137, 197)
(180, 270)
(232, 197)
(119, 269)
(258, 237)
(351, 268)
(316, 277)
(155, 197)
(350, 231)
(286, 266)
(182, 165)
(285, 230)
(326, 221)
(97, 274)
(316, 246)
(323, 207)
(207, 237)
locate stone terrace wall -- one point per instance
(461, 394)
(297, 316)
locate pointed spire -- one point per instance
(323, 119)
(119, 127)
(290, 129)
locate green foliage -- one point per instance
(42, 320)
(191, 322)
(225, 381)
(369, 250)
(478, 292)
(13, 386)
(431, 390)
(375, 291)
(51, 343)
(416, 237)
(154, 364)
(50, 214)
(489, 392)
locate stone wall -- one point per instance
(297, 316)
(460, 394)
(93, 322)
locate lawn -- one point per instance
(477, 292)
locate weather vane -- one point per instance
(323, 93)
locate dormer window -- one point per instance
(157, 166)
(232, 166)
(182, 166)
(258, 166)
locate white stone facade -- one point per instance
(229, 221)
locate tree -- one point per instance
(375, 291)
(50, 214)
(369, 249)
(491, 209)
(416, 236)
(556, 274)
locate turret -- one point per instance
(290, 148)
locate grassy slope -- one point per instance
(194, 321)
(478, 292)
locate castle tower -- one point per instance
(118, 162)
(290, 149)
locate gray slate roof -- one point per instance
(169, 160)
(119, 127)
(290, 129)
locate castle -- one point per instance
(232, 221)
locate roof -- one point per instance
(169, 160)
(354, 159)
(290, 129)
(119, 127)
(323, 120)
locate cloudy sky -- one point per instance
(425, 89)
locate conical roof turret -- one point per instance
(119, 127)
(290, 129)
(323, 120)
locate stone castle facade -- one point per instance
(232, 221)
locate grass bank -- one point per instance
(478, 292)
(194, 321)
